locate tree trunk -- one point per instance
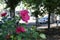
(49, 21)
(36, 15)
(57, 24)
(36, 21)
(12, 13)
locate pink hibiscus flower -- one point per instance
(20, 29)
(24, 15)
(25, 18)
(4, 14)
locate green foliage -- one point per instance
(12, 3)
(36, 2)
(52, 4)
(1, 1)
(9, 27)
(30, 34)
(36, 13)
(58, 11)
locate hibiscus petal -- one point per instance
(24, 15)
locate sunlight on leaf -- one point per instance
(43, 36)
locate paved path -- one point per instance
(46, 26)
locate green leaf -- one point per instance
(19, 38)
(35, 35)
(43, 36)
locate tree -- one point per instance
(51, 5)
(12, 4)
